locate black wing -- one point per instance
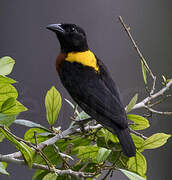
(106, 78)
(95, 93)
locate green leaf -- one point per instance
(51, 155)
(107, 140)
(79, 141)
(50, 176)
(119, 159)
(82, 115)
(90, 167)
(29, 135)
(53, 105)
(168, 80)
(137, 164)
(131, 175)
(164, 78)
(114, 156)
(6, 91)
(26, 151)
(30, 124)
(15, 109)
(132, 103)
(103, 154)
(140, 122)
(144, 72)
(66, 177)
(3, 166)
(107, 135)
(101, 142)
(155, 141)
(6, 65)
(7, 104)
(63, 145)
(6, 120)
(4, 79)
(86, 153)
(138, 141)
(39, 174)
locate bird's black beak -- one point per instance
(56, 28)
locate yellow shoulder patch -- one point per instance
(86, 58)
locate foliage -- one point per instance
(53, 105)
(85, 148)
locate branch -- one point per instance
(68, 132)
(77, 128)
(152, 96)
(44, 167)
(138, 134)
(143, 103)
(127, 29)
(53, 140)
(158, 112)
(64, 157)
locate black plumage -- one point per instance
(94, 91)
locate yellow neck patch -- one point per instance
(86, 58)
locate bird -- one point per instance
(89, 83)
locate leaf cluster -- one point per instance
(88, 150)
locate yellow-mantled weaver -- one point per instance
(88, 81)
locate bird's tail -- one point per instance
(126, 142)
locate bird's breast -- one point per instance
(86, 58)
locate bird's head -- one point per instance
(72, 38)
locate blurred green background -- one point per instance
(24, 37)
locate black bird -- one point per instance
(89, 83)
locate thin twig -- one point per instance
(143, 60)
(51, 141)
(153, 86)
(44, 167)
(138, 134)
(63, 156)
(13, 155)
(44, 157)
(107, 174)
(158, 112)
(85, 165)
(112, 167)
(159, 101)
(152, 95)
(127, 29)
(87, 128)
(35, 148)
(36, 142)
(143, 103)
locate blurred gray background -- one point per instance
(23, 36)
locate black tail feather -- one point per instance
(126, 142)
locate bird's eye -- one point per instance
(72, 29)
